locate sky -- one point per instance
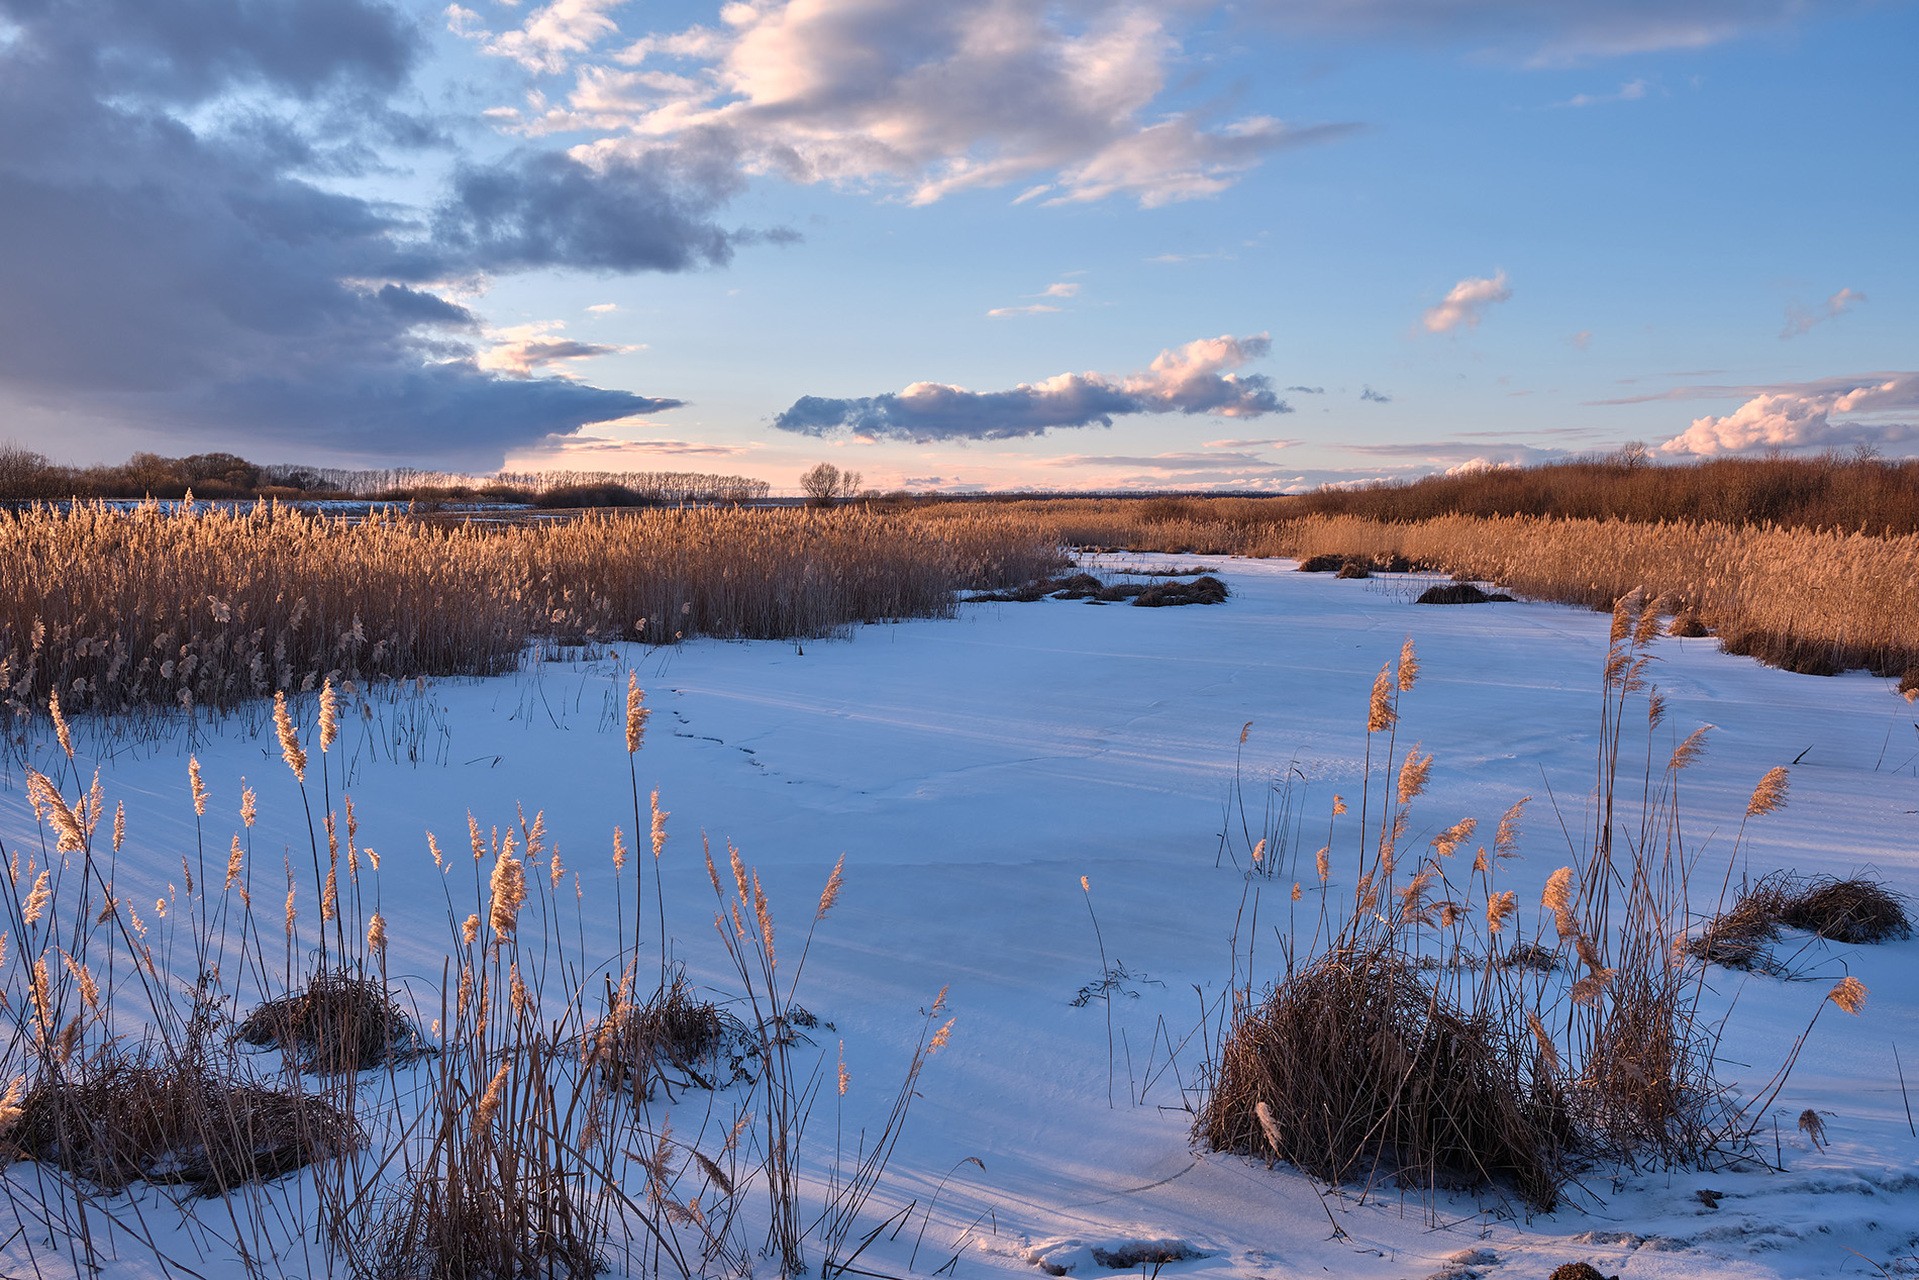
(975, 244)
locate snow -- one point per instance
(973, 770)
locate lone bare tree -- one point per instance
(826, 484)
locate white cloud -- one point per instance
(1463, 305)
(524, 350)
(1833, 415)
(923, 100)
(604, 308)
(1799, 320)
(1035, 309)
(1061, 289)
(548, 38)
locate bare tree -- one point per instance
(826, 484)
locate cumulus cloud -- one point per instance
(171, 268)
(1540, 33)
(1190, 379)
(928, 100)
(1836, 414)
(1800, 319)
(551, 35)
(1466, 301)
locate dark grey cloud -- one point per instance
(170, 266)
(647, 212)
(1309, 391)
(1377, 397)
(1185, 379)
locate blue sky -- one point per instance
(985, 243)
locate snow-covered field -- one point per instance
(973, 770)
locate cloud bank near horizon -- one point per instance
(1189, 379)
(1836, 413)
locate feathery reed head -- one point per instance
(1770, 794)
(508, 886)
(60, 728)
(1690, 750)
(1412, 774)
(1849, 994)
(290, 749)
(831, 893)
(1408, 667)
(636, 713)
(329, 715)
(1380, 714)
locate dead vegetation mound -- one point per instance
(1461, 593)
(673, 1039)
(1355, 1066)
(1205, 589)
(1853, 910)
(341, 1023)
(116, 1120)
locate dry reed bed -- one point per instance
(1818, 601)
(1809, 600)
(115, 611)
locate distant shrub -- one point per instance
(1353, 569)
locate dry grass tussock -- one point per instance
(117, 611)
(1421, 1033)
(1850, 910)
(115, 1118)
(340, 1022)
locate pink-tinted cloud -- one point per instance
(1834, 415)
(1463, 305)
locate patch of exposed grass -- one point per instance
(341, 1023)
(116, 1119)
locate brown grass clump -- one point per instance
(1853, 910)
(116, 1120)
(1361, 1066)
(1741, 937)
(1688, 625)
(673, 1040)
(1461, 593)
(341, 1023)
(1205, 589)
(1353, 569)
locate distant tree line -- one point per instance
(26, 475)
(1857, 491)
